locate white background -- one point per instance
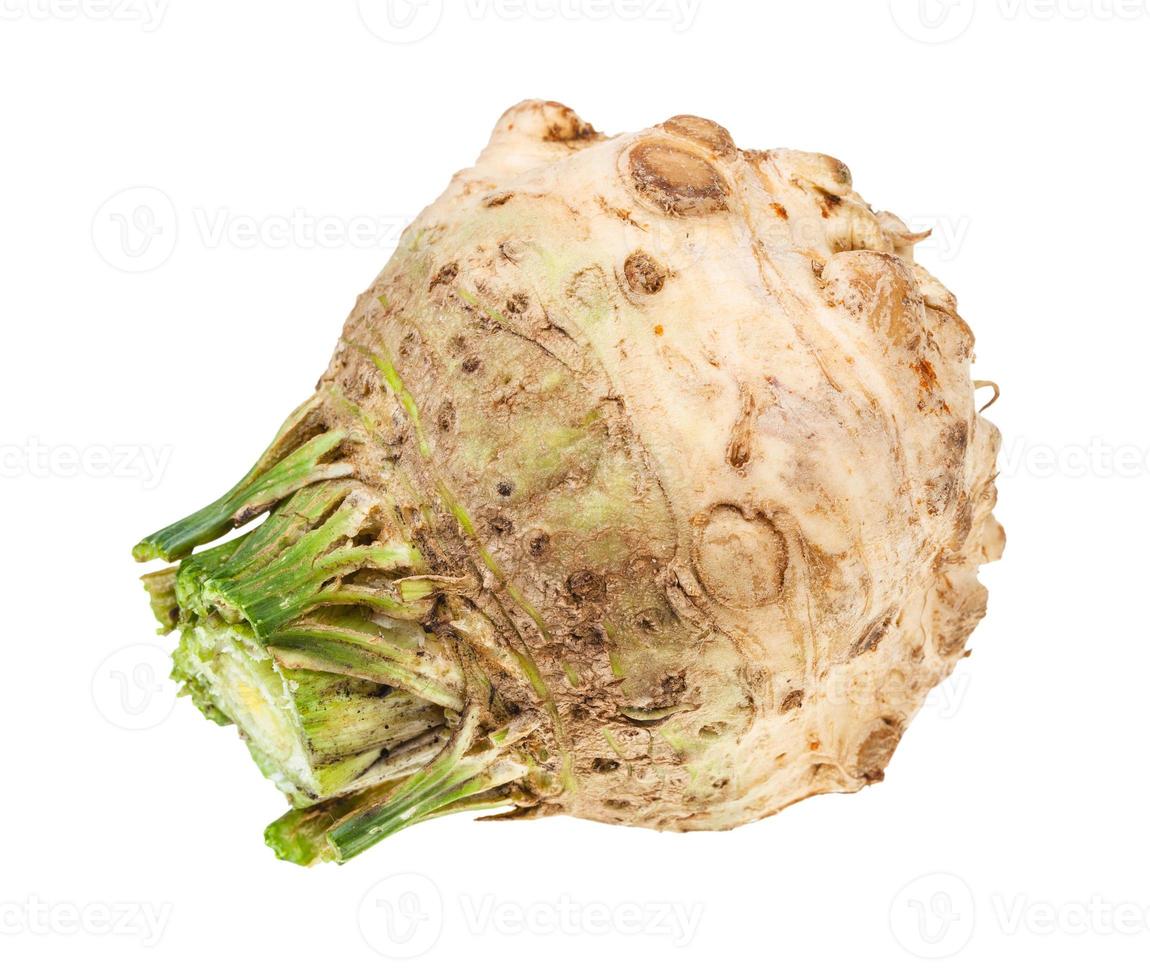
(139, 381)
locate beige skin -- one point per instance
(696, 440)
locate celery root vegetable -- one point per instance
(646, 485)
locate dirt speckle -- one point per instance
(927, 378)
(445, 275)
(792, 702)
(873, 635)
(586, 586)
(644, 274)
(875, 752)
(829, 202)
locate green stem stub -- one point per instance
(284, 570)
(311, 634)
(468, 773)
(161, 589)
(292, 461)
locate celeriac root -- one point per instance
(645, 485)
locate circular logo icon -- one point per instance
(401, 917)
(933, 916)
(932, 21)
(135, 229)
(401, 21)
(130, 687)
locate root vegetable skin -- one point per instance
(686, 443)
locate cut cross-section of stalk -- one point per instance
(312, 733)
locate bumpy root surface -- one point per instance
(646, 485)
